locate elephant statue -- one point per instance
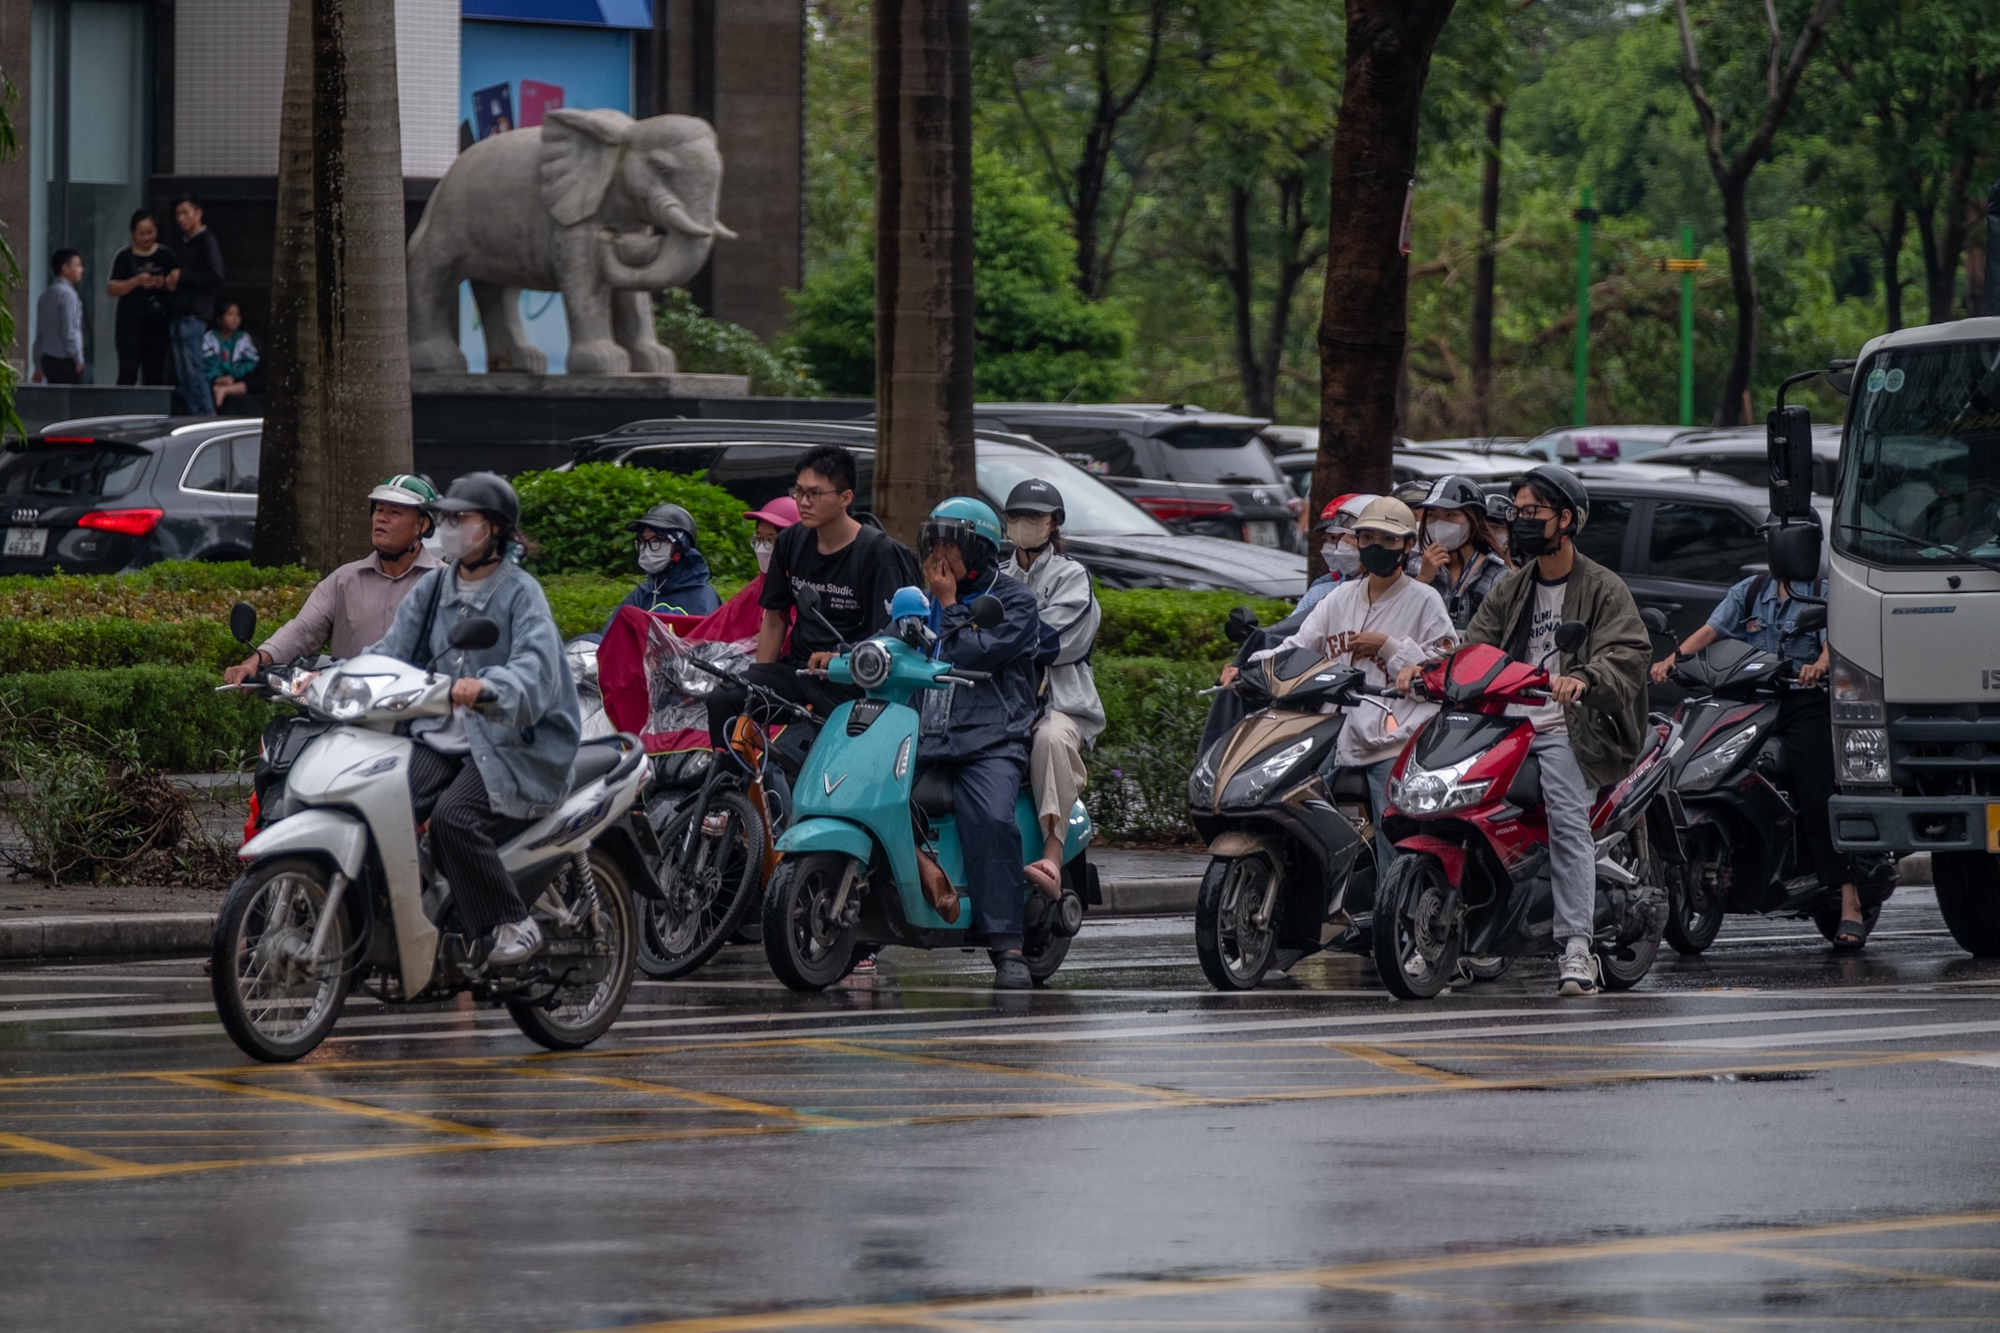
(595, 205)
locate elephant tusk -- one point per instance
(683, 221)
(724, 232)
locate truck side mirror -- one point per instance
(1794, 551)
(1241, 623)
(1789, 448)
(242, 622)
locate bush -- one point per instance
(98, 642)
(182, 724)
(181, 590)
(1166, 622)
(712, 346)
(578, 518)
(1154, 713)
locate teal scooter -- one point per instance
(848, 881)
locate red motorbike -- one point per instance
(1465, 810)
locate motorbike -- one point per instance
(850, 878)
(1745, 853)
(341, 888)
(1292, 862)
(1465, 813)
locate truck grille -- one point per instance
(1945, 749)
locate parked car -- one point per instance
(1570, 444)
(1743, 454)
(1416, 463)
(1200, 472)
(1118, 542)
(102, 494)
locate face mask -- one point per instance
(1451, 536)
(1380, 561)
(1499, 536)
(1342, 560)
(1030, 534)
(763, 550)
(656, 557)
(457, 540)
(1527, 537)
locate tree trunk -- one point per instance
(1892, 265)
(341, 362)
(1364, 312)
(1256, 394)
(1733, 409)
(1484, 274)
(923, 259)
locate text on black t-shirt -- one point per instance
(854, 584)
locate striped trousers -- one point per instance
(465, 833)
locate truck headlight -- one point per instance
(1857, 696)
(1864, 754)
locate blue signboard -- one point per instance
(592, 13)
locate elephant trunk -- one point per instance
(650, 262)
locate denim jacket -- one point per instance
(525, 741)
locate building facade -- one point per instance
(128, 104)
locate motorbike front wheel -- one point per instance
(581, 1010)
(1626, 967)
(1417, 936)
(715, 859)
(809, 941)
(1695, 901)
(276, 1001)
(1235, 950)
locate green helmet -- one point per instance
(406, 488)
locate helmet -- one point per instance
(485, 491)
(1351, 504)
(1454, 492)
(780, 513)
(1332, 511)
(909, 602)
(970, 525)
(1035, 496)
(1412, 493)
(1559, 487)
(405, 488)
(666, 518)
(1498, 507)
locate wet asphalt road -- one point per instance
(1767, 1136)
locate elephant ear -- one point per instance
(579, 154)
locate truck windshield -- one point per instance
(1922, 483)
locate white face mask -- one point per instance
(655, 557)
(456, 540)
(1451, 536)
(1029, 533)
(763, 550)
(1342, 560)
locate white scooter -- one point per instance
(340, 888)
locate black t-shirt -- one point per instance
(855, 585)
(140, 305)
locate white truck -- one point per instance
(1913, 571)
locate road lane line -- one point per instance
(1629, 1024)
(712, 1100)
(408, 1119)
(103, 1011)
(45, 996)
(1270, 1025)
(1010, 1071)
(1402, 1064)
(43, 1148)
(1824, 1037)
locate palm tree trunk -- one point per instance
(923, 259)
(1364, 319)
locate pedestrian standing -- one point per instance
(139, 285)
(59, 322)
(228, 356)
(193, 286)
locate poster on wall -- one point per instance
(493, 111)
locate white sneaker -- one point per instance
(515, 942)
(1577, 974)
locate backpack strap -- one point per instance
(430, 617)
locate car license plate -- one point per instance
(1261, 534)
(1993, 827)
(27, 541)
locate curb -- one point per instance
(121, 935)
(1172, 896)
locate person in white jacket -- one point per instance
(1070, 715)
(1381, 623)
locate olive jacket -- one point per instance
(1608, 723)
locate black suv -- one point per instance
(1200, 472)
(104, 494)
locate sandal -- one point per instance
(1047, 881)
(1849, 936)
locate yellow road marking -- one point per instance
(41, 1148)
(1012, 1071)
(1402, 1064)
(408, 1119)
(714, 1100)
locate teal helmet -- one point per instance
(969, 524)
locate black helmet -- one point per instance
(1035, 496)
(1454, 492)
(1499, 508)
(666, 518)
(485, 491)
(1411, 493)
(1559, 487)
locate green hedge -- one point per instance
(578, 519)
(174, 591)
(182, 723)
(1169, 623)
(100, 642)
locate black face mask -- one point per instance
(1381, 561)
(1528, 538)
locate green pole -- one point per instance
(1687, 328)
(1584, 216)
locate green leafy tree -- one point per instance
(714, 346)
(577, 519)
(1037, 337)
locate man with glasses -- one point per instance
(854, 568)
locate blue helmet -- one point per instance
(970, 525)
(909, 602)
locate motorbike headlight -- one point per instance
(869, 664)
(1201, 783)
(1864, 754)
(1435, 791)
(396, 703)
(348, 697)
(1249, 787)
(1707, 768)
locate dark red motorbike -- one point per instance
(1466, 811)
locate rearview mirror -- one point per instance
(1789, 448)
(474, 634)
(1794, 551)
(1811, 619)
(1655, 618)
(1570, 635)
(987, 611)
(242, 622)
(807, 597)
(1241, 623)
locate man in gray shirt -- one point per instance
(59, 322)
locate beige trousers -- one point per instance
(1055, 769)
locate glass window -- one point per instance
(1744, 467)
(1218, 454)
(1603, 537)
(1702, 543)
(210, 469)
(1100, 452)
(1090, 507)
(91, 472)
(243, 451)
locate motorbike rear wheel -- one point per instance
(582, 1012)
(1417, 931)
(277, 1004)
(1235, 951)
(709, 895)
(808, 947)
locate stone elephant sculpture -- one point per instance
(592, 204)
